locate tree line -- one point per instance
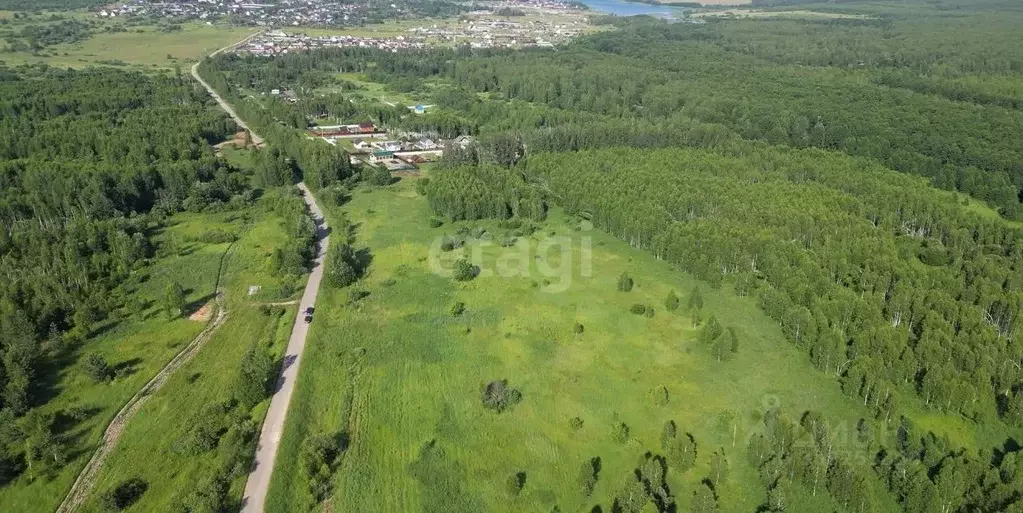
(91, 163)
(318, 164)
(902, 295)
(655, 72)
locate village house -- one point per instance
(462, 141)
(391, 146)
(380, 155)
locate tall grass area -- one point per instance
(146, 449)
(402, 376)
(137, 341)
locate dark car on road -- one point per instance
(309, 314)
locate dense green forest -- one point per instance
(764, 156)
(91, 163)
(829, 169)
(657, 75)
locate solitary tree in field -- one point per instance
(726, 345)
(704, 500)
(341, 266)
(711, 331)
(625, 282)
(123, 495)
(733, 340)
(342, 274)
(96, 367)
(620, 433)
(254, 377)
(498, 396)
(671, 302)
(632, 498)
(683, 453)
(588, 475)
(464, 270)
(515, 483)
(695, 300)
(458, 308)
(319, 457)
(720, 348)
(174, 300)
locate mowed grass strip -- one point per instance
(403, 376)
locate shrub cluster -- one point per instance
(498, 396)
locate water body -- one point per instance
(624, 8)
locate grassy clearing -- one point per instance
(145, 447)
(397, 370)
(139, 341)
(374, 90)
(984, 210)
(145, 48)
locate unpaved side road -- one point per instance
(87, 478)
(258, 482)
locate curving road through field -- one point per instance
(258, 481)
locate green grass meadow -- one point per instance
(403, 376)
(144, 450)
(142, 48)
(139, 342)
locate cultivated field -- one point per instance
(402, 376)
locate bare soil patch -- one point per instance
(238, 140)
(202, 314)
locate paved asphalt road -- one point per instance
(257, 140)
(273, 426)
(259, 480)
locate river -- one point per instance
(623, 8)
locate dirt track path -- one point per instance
(87, 477)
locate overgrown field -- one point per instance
(400, 375)
(150, 448)
(136, 342)
(144, 48)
